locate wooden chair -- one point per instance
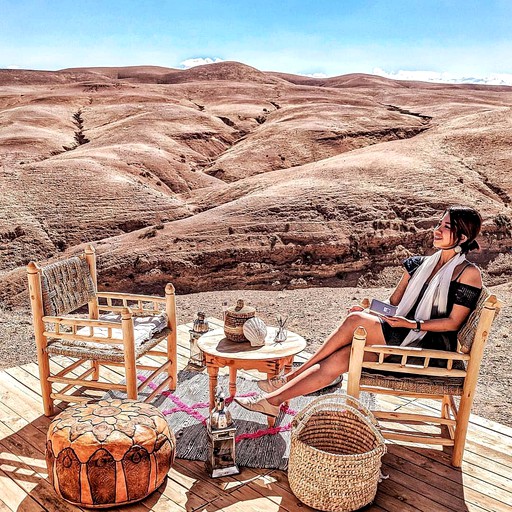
(129, 327)
(410, 379)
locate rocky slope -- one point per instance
(225, 176)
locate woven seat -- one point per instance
(429, 385)
(113, 353)
(129, 327)
(406, 371)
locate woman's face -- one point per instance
(443, 236)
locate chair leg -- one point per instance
(172, 342)
(129, 354)
(445, 407)
(131, 382)
(96, 366)
(172, 356)
(46, 387)
(461, 430)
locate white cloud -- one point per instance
(447, 78)
(316, 75)
(198, 61)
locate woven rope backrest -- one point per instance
(66, 285)
(466, 334)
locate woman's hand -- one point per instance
(355, 308)
(399, 321)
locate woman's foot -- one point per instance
(270, 385)
(258, 404)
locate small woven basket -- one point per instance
(335, 454)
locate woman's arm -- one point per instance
(472, 277)
(450, 323)
(399, 291)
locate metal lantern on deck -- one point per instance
(220, 459)
(199, 327)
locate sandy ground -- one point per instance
(314, 313)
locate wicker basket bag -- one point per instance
(335, 454)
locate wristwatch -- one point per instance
(419, 323)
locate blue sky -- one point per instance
(450, 38)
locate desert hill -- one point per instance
(224, 176)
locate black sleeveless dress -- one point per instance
(458, 293)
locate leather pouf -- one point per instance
(106, 453)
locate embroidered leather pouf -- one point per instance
(106, 453)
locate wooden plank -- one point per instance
(4, 507)
(29, 474)
(494, 446)
(416, 493)
(266, 484)
(14, 497)
(448, 488)
(159, 502)
(438, 463)
(421, 478)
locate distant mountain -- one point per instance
(224, 176)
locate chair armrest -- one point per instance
(114, 330)
(384, 350)
(81, 322)
(359, 350)
(131, 296)
(116, 302)
(404, 366)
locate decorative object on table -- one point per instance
(335, 454)
(221, 431)
(199, 327)
(281, 332)
(107, 453)
(255, 331)
(236, 316)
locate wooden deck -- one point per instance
(420, 478)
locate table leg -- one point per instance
(288, 365)
(232, 382)
(213, 372)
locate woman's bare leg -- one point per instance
(320, 374)
(342, 337)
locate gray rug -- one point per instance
(257, 445)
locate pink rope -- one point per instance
(191, 410)
(180, 406)
(264, 432)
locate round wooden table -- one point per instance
(270, 358)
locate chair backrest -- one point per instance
(66, 285)
(466, 334)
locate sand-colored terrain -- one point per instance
(227, 177)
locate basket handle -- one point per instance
(376, 432)
(333, 399)
(356, 408)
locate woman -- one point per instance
(434, 298)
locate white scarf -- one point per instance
(436, 293)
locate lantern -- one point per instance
(220, 459)
(200, 326)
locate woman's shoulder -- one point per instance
(412, 263)
(470, 275)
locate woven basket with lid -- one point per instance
(236, 316)
(335, 454)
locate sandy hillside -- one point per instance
(226, 177)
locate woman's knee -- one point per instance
(355, 319)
